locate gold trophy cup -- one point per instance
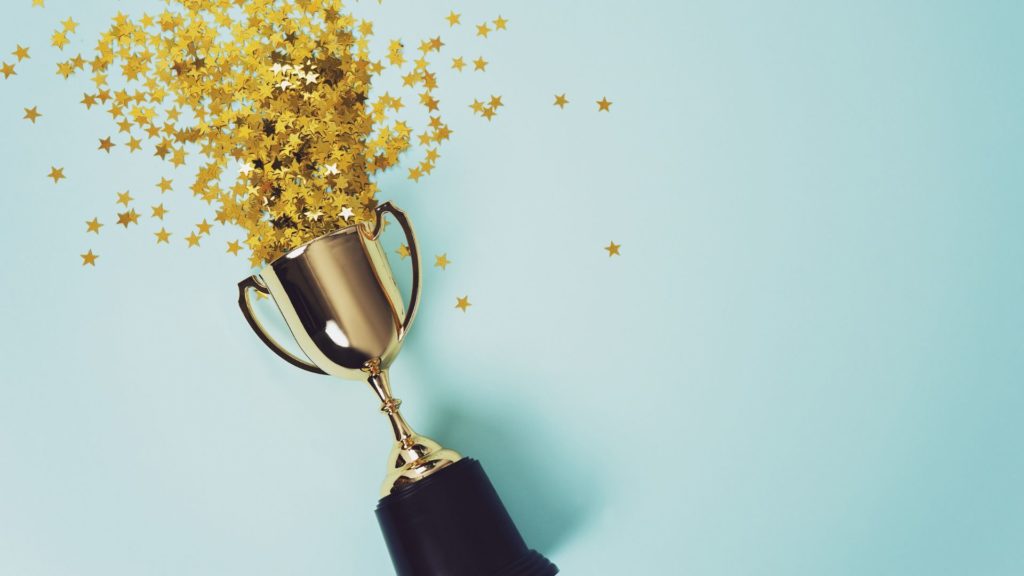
(341, 303)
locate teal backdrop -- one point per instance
(807, 359)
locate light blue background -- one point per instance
(807, 360)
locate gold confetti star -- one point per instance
(129, 217)
(21, 52)
(124, 198)
(604, 105)
(234, 247)
(7, 70)
(106, 144)
(442, 261)
(164, 185)
(463, 303)
(162, 236)
(38, 3)
(483, 30)
(93, 225)
(500, 23)
(453, 18)
(59, 39)
(613, 249)
(89, 259)
(204, 227)
(31, 114)
(134, 144)
(561, 100)
(403, 251)
(192, 239)
(70, 25)
(56, 173)
(159, 211)
(480, 64)
(458, 63)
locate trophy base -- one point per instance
(453, 523)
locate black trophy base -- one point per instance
(453, 523)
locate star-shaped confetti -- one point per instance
(234, 247)
(89, 258)
(613, 249)
(463, 303)
(267, 89)
(483, 30)
(129, 217)
(500, 23)
(93, 226)
(56, 173)
(403, 251)
(442, 261)
(159, 211)
(480, 64)
(124, 198)
(20, 52)
(561, 100)
(164, 185)
(31, 114)
(106, 144)
(7, 70)
(604, 105)
(163, 236)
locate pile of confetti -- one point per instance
(271, 100)
(275, 97)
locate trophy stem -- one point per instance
(413, 457)
(381, 384)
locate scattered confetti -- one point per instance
(462, 303)
(93, 226)
(604, 105)
(163, 236)
(129, 217)
(487, 109)
(31, 114)
(159, 211)
(561, 100)
(480, 64)
(442, 261)
(500, 23)
(7, 70)
(483, 30)
(403, 251)
(124, 198)
(613, 249)
(282, 92)
(234, 247)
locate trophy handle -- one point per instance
(414, 254)
(246, 305)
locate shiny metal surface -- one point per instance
(341, 303)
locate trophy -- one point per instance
(438, 511)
